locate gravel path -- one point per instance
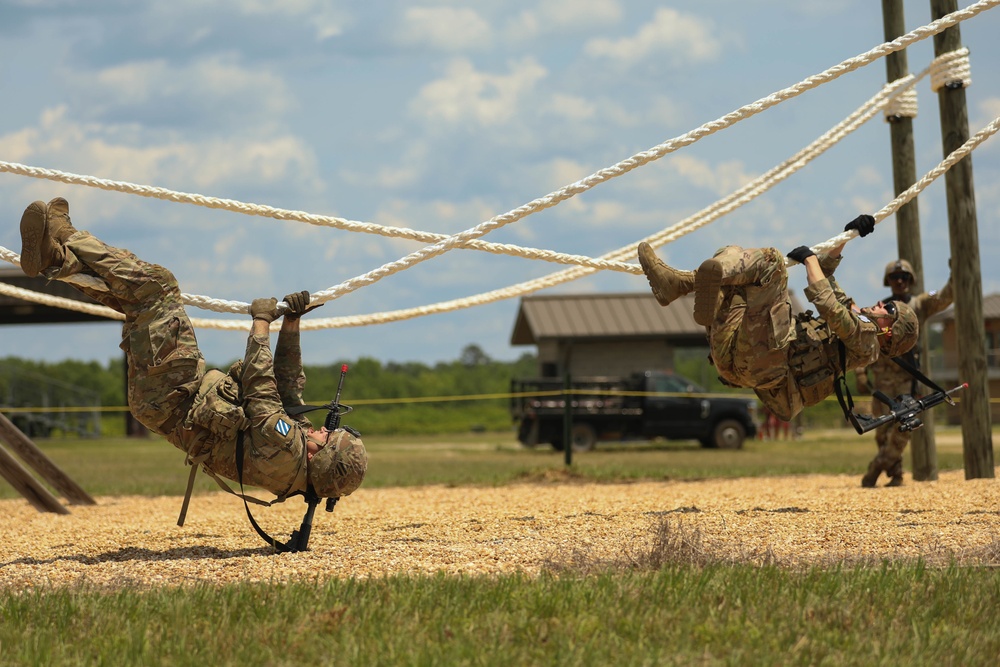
(792, 521)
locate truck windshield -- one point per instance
(671, 383)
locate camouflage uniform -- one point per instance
(169, 390)
(755, 342)
(892, 380)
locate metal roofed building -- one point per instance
(14, 310)
(607, 334)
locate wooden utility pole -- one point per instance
(977, 439)
(904, 174)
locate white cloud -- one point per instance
(557, 16)
(720, 179)
(866, 178)
(217, 81)
(439, 215)
(683, 38)
(468, 95)
(570, 107)
(117, 153)
(444, 29)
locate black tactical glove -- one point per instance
(298, 305)
(864, 224)
(264, 309)
(799, 254)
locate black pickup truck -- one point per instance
(644, 406)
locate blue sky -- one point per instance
(440, 115)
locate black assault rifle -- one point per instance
(299, 540)
(903, 410)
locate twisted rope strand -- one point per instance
(468, 237)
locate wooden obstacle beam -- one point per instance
(23, 481)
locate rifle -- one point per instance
(903, 410)
(299, 540)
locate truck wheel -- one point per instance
(728, 434)
(584, 437)
(527, 434)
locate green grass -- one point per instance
(675, 604)
(728, 615)
(153, 467)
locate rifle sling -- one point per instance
(278, 546)
(843, 394)
(915, 372)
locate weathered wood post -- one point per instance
(904, 174)
(22, 480)
(977, 439)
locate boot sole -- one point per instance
(32, 232)
(708, 282)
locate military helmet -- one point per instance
(898, 266)
(339, 468)
(905, 330)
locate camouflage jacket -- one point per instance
(889, 377)
(250, 398)
(814, 354)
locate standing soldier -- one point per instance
(891, 379)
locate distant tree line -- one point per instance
(383, 388)
(385, 395)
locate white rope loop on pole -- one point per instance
(904, 197)
(951, 69)
(902, 106)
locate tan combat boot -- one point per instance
(874, 470)
(44, 228)
(60, 227)
(895, 474)
(668, 283)
(38, 251)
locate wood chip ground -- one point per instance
(794, 521)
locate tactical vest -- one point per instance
(813, 359)
(217, 407)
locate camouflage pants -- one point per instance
(750, 336)
(891, 443)
(165, 366)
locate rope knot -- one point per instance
(951, 70)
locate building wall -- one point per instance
(605, 358)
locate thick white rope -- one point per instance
(904, 197)
(571, 274)
(883, 213)
(903, 106)
(641, 159)
(951, 69)
(463, 238)
(741, 196)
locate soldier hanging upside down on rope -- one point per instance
(208, 414)
(741, 297)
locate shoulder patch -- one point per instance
(282, 427)
(864, 319)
